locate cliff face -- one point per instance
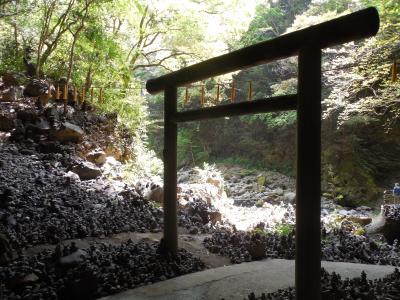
(360, 157)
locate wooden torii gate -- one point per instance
(307, 45)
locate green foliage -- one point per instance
(284, 229)
(259, 231)
(129, 107)
(285, 87)
(273, 120)
(259, 203)
(249, 164)
(271, 20)
(185, 146)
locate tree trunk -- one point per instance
(88, 81)
(71, 57)
(16, 39)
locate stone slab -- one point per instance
(237, 281)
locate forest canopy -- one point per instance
(101, 39)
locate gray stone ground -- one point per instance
(237, 281)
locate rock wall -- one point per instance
(359, 158)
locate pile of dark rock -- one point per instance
(42, 202)
(241, 246)
(333, 287)
(392, 212)
(72, 273)
(390, 226)
(199, 217)
(338, 245)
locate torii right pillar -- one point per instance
(308, 184)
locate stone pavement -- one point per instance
(237, 281)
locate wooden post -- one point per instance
(202, 96)
(91, 95)
(217, 99)
(186, 96)
(250, 93)
(83, 95)
(58, 93)
(170, 177)
(65, 92)
(233, 92)
(101, 95)
(75, 95)
(65, 97)
(394, 71)
(308, 184)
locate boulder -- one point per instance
(218, 182)
(86, 170)
(10, 95)
(215, 216)
(272, 198)
(10, 79)
(97, 157)
(71, 177)
(363, 208)
(50, 147)
(387, 223)
(29, 279)
(289, 197)
(113, 151)
(6, 253)
(74, 258)
(36, 87)
(67, 132)
(156, 195)
(27, 116)
(257, 250)
(278, 191)
(261, 180)
(7, 122)
(362, 220)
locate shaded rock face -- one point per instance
(67, 132)
(274, 147)
(7, 122)
(355, 170)
(86, 170)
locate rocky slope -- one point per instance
(60, 179)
